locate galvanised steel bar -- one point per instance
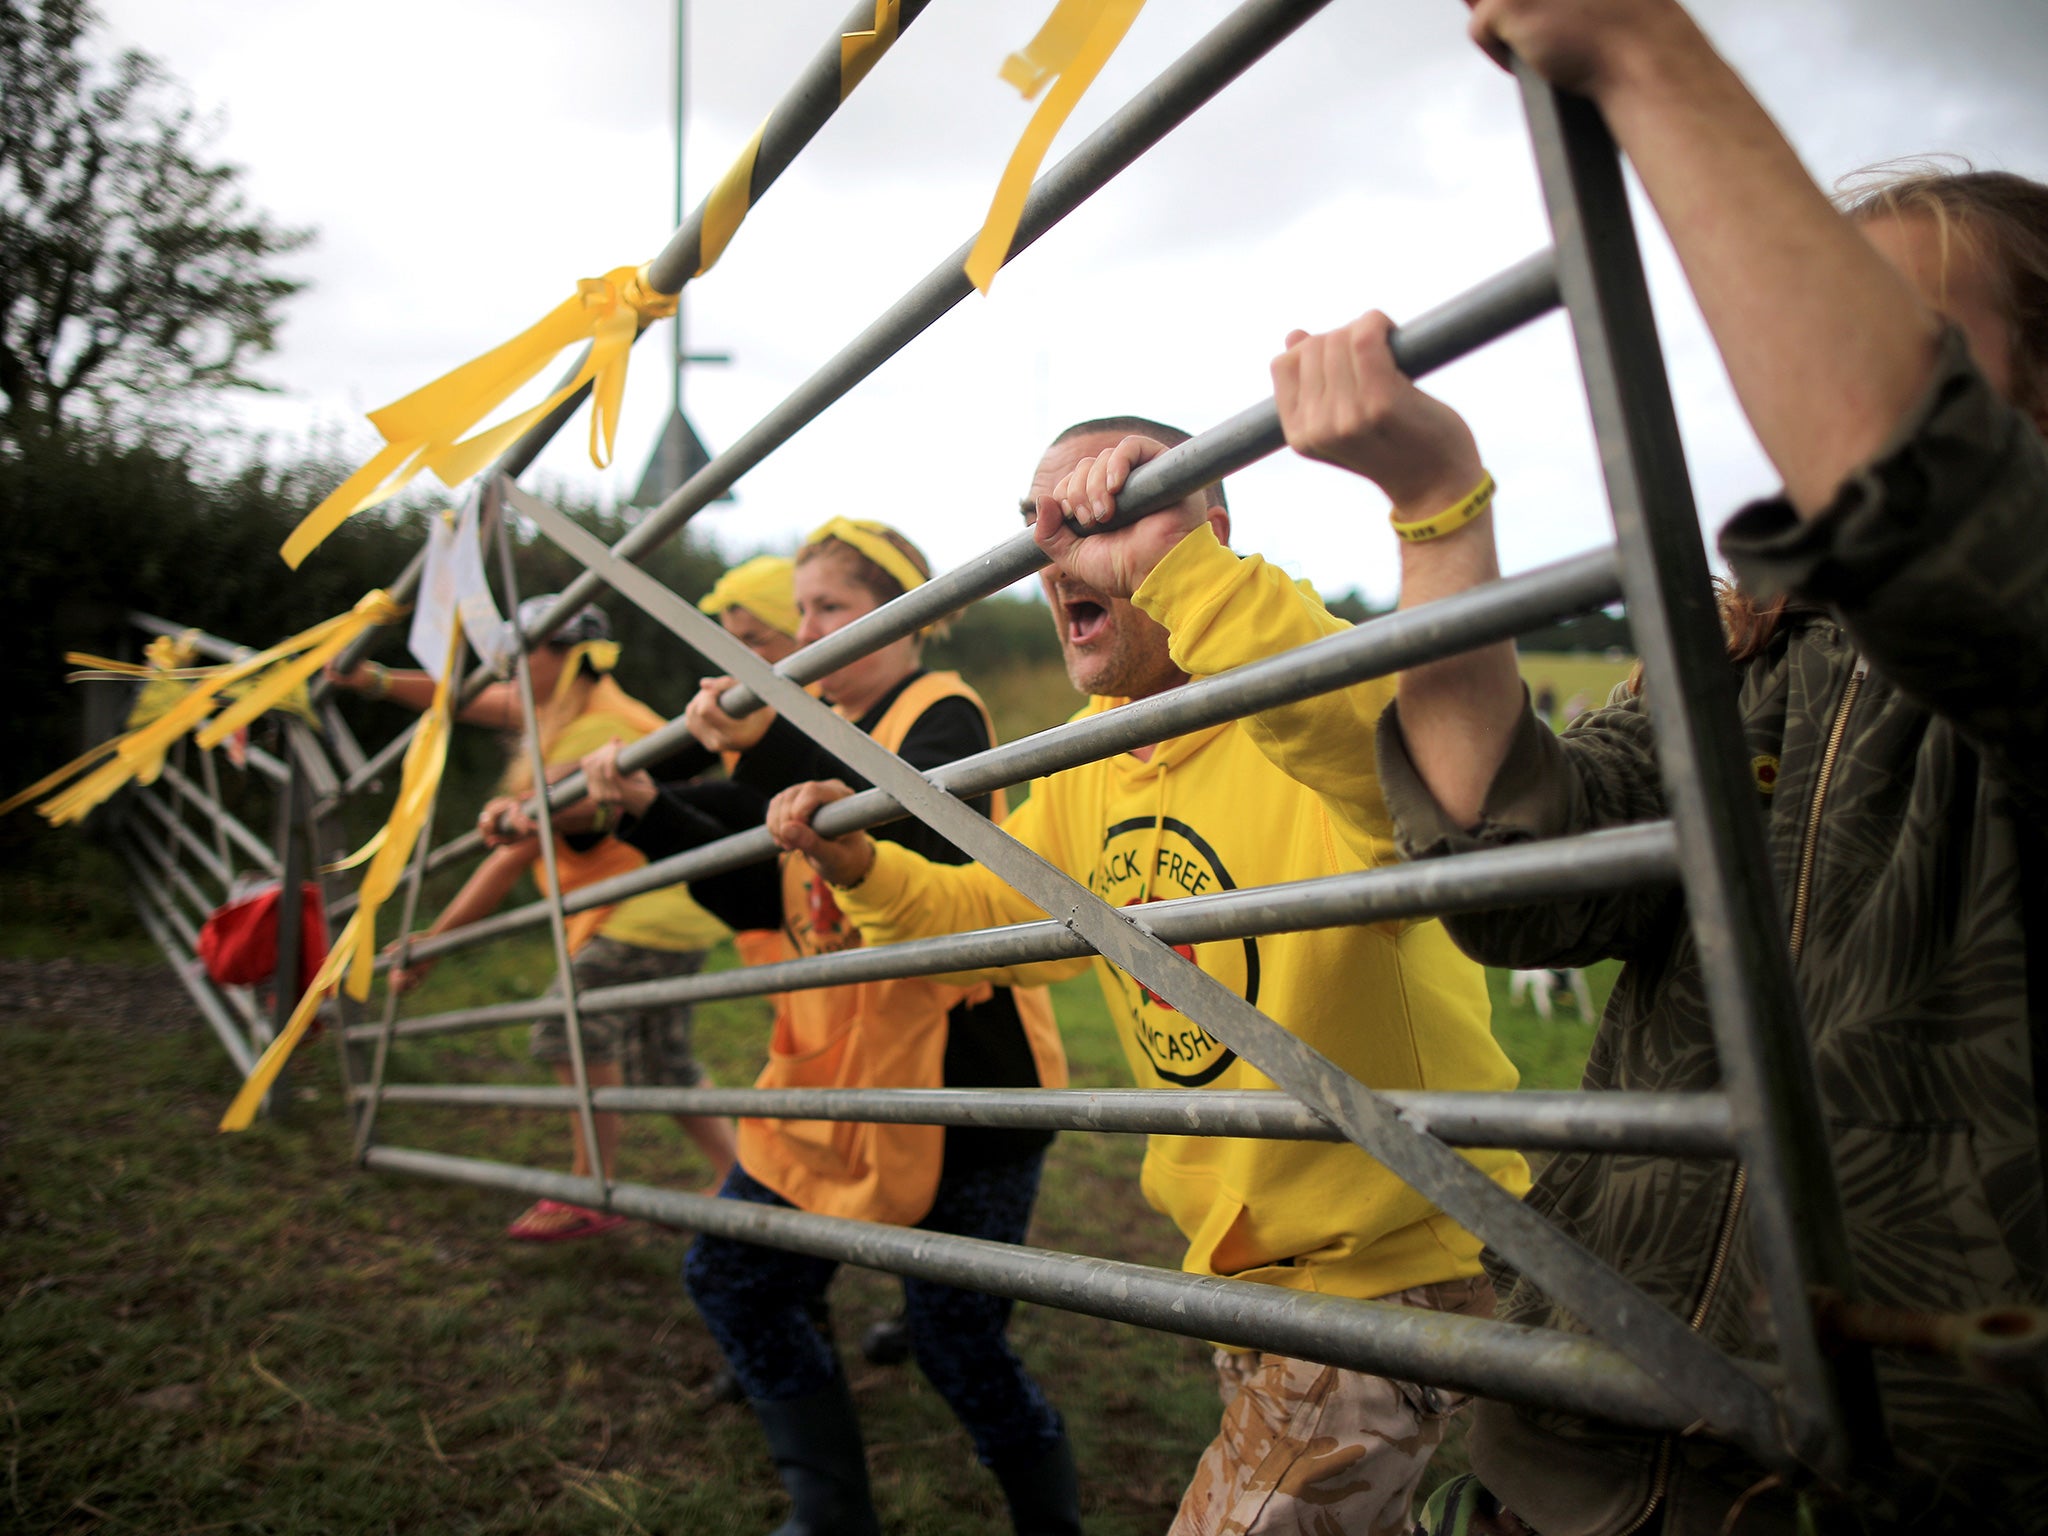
(207, 797)
(372, 1094)
(1610, 1305)
(190, 976)
(181, 882)
(1229, 49)
(558, 925)
(1831, 1410)
(1494, 612)
(1503, 303)
(270, 767)
(185, 837)
(347, 750)
(1578, 866)
(1539, 1367)
(1668, 1124)
(791, 124)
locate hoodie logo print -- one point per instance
(1147, 859)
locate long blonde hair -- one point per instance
(1999, 218)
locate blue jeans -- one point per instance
(755, 1302)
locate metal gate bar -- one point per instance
(1825, 1412)
(1605, 1302)
(1524, 1365)
(1664, 1124)
(1242, 38)
(1760, 1039)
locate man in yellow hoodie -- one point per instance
(1302, 1446)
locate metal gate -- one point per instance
(1638, 1364)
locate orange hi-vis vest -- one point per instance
(878, 1034)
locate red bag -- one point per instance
(238, 942)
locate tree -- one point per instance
(130, 265)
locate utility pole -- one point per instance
(679, 453)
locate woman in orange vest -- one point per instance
(909, 1033)
(659, 934)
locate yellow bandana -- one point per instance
(603, 656)
(872, 540)
(765, 586)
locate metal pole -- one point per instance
(565, 969)
(1831, 1407)
(1667, 1124)
(1497, 611)
(1500, 305)
(225, 824)
(1569, 867)
(794, 121)
(1540, 1367)
(1243, 37)
(189, 976)
(1609, 1304)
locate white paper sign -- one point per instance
(433, 609)
(492, 638)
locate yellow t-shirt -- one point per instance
(665, 919)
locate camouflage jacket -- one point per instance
(1918, 643)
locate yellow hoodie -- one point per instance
(1395, 1004)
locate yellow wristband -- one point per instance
(602, 818)
(380, 675)
(1451, 519)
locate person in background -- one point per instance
(1302, 1446)
(763, 1304)
(659, 934)
(1888, 645)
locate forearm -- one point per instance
(1458, 715)
(1826, 345)
(487, 887)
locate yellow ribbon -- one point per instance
(269, 679)
(323, 642)
(1074, 44)
(352, 960)
(603, 656)
(424, 429)
(859, 52)
(871, 539)
(727, 204)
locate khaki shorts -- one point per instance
(1312, 1450)
(651, 1045)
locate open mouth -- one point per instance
(1086, 619)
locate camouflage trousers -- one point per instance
(652, 1044)
(1311, 1450)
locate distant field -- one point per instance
(1573, 673)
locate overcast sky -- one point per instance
(465, 162)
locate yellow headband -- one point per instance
(603, 655)
(765, 586)
(872, 540)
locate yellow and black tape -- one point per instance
(727, 206)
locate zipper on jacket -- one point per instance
(1724, 1237)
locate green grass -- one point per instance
(1572, 675)
(201, 1332)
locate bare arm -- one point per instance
(496, 708)
(1827, 346)
(1342, 400)
(481, 895)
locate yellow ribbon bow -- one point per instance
(424, 429)
(352, 960)
(1075, 42)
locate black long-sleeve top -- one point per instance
(986, 1045)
